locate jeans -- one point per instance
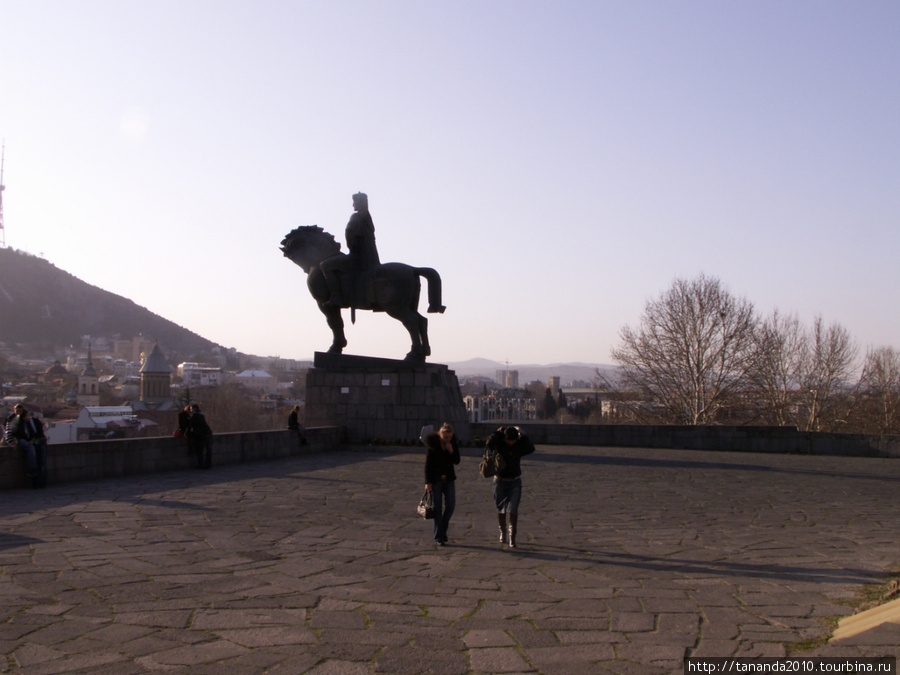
(507, 494)
(35, 461)
(444, 494)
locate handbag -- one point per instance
(492, 463)
(426, 506)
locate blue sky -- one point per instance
(559, 163)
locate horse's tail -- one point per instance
(434, 289)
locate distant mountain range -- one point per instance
(44, 309)
(567, 372)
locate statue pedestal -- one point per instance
(383, 399)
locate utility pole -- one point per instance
(2, 188)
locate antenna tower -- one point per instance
(2, 188)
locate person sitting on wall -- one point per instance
(294, 424)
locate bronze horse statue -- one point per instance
(391, 287)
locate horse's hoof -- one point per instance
(413, 357)
(436, 309)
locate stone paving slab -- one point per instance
(629, 560)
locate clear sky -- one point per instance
(559, 163)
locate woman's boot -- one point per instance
(513, 521)
(501, 521)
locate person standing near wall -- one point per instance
(27, 433)
(184, 416)
(440, 478)
(512, 445)
(199, 435)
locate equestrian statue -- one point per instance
(359, 280)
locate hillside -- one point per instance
(45, 308)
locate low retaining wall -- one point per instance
(720, 438)
(92, 460)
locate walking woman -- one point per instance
(440, 478)
(512, 445)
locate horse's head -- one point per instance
(309, 245)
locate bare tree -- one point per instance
(230, 408)
(879, 384)
(694, 347)
(827, 362)
(780, 347)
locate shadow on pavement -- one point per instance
(8, 541)
(600, 460)
(702, 567)
(133, 489)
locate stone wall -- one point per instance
(93, 460)
(382, 399)
(720, 438)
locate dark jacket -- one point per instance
(197, 428)
(510, 453)
(30, 430)
(438, 462)
(184, 418)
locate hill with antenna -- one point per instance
(43, 309)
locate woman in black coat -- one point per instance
(440, 478)
(512, 445)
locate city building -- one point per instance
(553, 384)
(508, 379)
(199, 375)
(98, 422)
(506, 405)
(134, 350)
(257, 380)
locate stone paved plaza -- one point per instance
(628, 561)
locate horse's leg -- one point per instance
(411, 324)
(336, 324)
(423, 334)
(318, 288)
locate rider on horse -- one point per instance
(362, 258)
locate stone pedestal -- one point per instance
(383, 399)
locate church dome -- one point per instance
(57, 370)
(156, 362)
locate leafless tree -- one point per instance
(780, 347)
(827, 362)
(229, 408)
(879, 384)
(695, 346)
